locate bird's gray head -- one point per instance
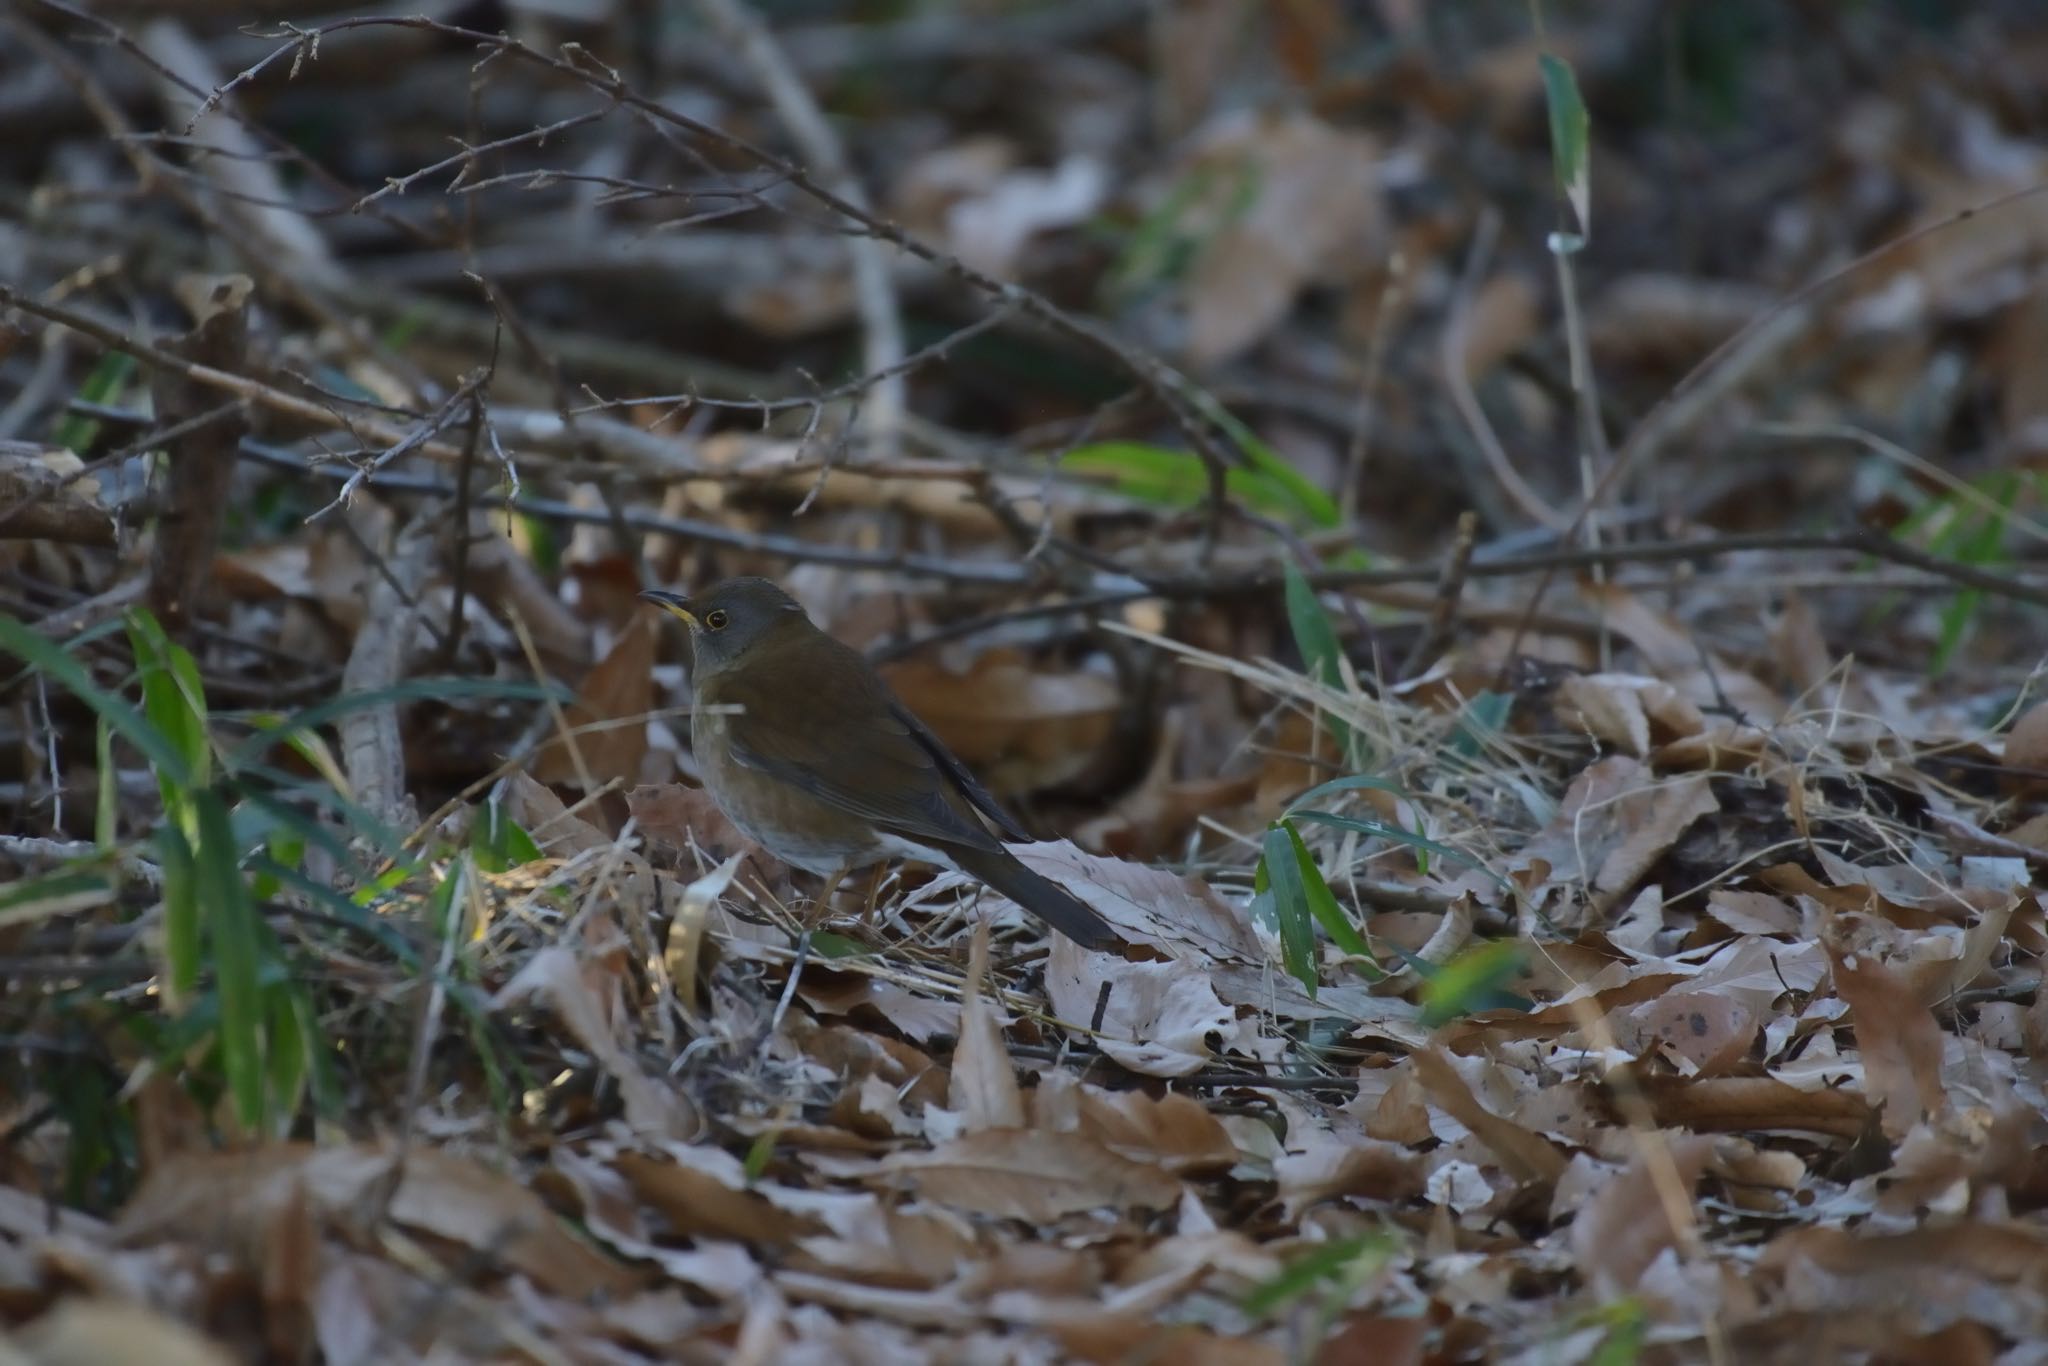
(729, 620)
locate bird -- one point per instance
(809, 754)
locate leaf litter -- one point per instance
(1684, 1003)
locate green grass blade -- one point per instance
(1473, 981)
(64, 892)
(1322, 904)
(40, 653)
(412, 690)
(1290, 907)
(181, 915)
(1338, 1259)
(1396, 834)
(1350, 784)
(1570, 137)
(237, 957)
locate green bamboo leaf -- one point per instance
(376, 928)
(1396, 834)
(103, 385)
(1290, 907)
(1570, 137)
(237, 958)
(1316, 638)
(1481, 718)
(1350, 1259)
(1313, 503)
(1350, 784)
(40, 653)
(181, 915)
(64, 892)
(173, 698)
(499, 843)
(290, 1053)
(1472, 982)
(1322, 904)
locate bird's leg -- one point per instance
(821, 911)
(867, 899)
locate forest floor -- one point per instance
(1501, 547)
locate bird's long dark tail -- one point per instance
(1041, 896)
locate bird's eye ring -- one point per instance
(715, 620)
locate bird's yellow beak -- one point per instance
(669, 602)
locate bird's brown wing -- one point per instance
(830, 728)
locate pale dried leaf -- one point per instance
(1034, 1175)
(983, 1085)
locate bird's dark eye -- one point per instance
(715, 620)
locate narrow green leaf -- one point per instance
(1623, 1345)
(1322, 904)
(1316, 638)
(1570, 137)
(1472, 982)
(498, 841)
(374, 927)
(759, 1153)
(1482, 718)
(1341, 1258)
(1314, 504)
(64, 892)
(106, 816)
(1350, 784)
(181, 915)
(1396, 834)
(103, 385)
(41, 653)
(826, 944)
(1290, 907)
(237, 959)
(172, 696)
(290, 1054)
(364, 826)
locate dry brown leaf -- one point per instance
(589, 999)
(685, 818)
(1621, 1230)
(696, 1203)
(1330, 1166)
(225, 1200)
(1188, 921)
(608, 719)
(1897, 1037)
(540, 813)
(2026, 744)
(1173, 1131)
(1523, 1154)
(1503, 319)
(1615, 822)
(1711, 1032)
(1607, 710)
(1032, 1174)
(1743, 1104)
(1315, 215)
(983, 1086)
(1114, 1340)
(86, 1332)
(1156, 1018)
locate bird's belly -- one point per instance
(790, 823)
